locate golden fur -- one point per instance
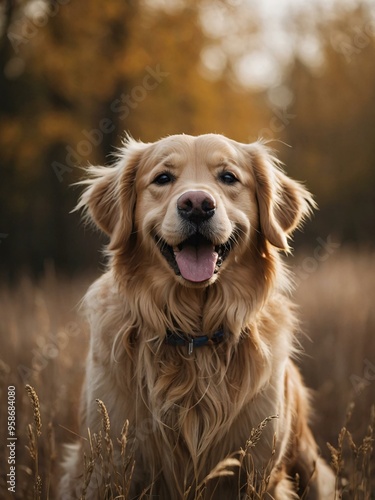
(188, 412)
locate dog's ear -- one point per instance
(283, 202)
(110, 198)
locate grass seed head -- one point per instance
(105, 417)
(36, 408)
(38, 487)
(256, 432)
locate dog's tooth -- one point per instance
(176, 249)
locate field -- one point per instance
(44, 340)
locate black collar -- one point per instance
(182, 339)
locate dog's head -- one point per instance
(194, 205)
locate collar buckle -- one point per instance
(191, 342)
(190, 346)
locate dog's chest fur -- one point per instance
(186, 411)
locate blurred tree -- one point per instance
(187, 101)
(332, 133)
(74, 76)
(62, 65)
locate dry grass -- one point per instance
(43, 341)
(337, 307)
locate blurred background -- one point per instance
(75, 76)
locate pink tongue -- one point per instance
(197, 263)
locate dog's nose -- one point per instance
(196, 206)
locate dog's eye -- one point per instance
(228, 178)
(164, 178)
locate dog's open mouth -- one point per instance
(196, 259)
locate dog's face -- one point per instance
(196, 204)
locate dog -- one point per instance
(192, 328)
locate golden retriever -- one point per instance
(192, 328)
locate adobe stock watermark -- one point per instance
(359, 383)
(34, 17)
(310, 264)
(122, 107)
(280, 119)
(52, 347)
(352, 43)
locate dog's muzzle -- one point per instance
(196, 258)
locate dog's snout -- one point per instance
(196, 206)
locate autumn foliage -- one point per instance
(75, 76)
